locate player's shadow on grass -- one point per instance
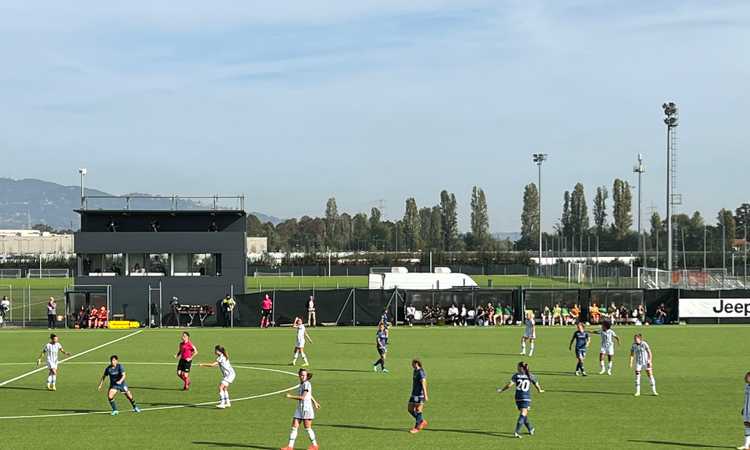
(231, 445)
(185, 405)
(426, 430)
(23, 388)
(151, 388)
(342, 370)
(494, 354)
(79, 411)
(554, 374)
(568, 391)
(678, 444)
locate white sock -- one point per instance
(523, 346)
(304, 357)
(652, 381)
(638, 382)
(601, 364)
(292, 437)
(49, 379)
(531, 350)
(609, 367)
(296, 355)
(54, 379)
(747, 437)
(311, 433)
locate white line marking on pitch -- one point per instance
(32, 372)
(160, 408)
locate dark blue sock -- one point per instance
(113, 405)
(413, 414)
(419, 418)
(529, 426)
(519, 423)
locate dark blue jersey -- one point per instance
(114, 373)
(382, 338)
(523, 384)
(417, 390)
(581, 338)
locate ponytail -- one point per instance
(525, 368)
(221, 350)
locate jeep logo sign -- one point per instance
(714, 307)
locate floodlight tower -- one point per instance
(539, 158)
(640, 169)
(82, 172)
(671, 120)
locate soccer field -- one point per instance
(699, 372)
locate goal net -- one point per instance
(688, 279)
(273, 274)
(580, 273)
(10, 273)
(48, 273)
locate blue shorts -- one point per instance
(520, 404)
(120, 387)
(580, 352)
(417, 399)
(382, 350)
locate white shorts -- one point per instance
(52, 365)
(229, 379)
(300, 345)
(608, 350)
(529, 336)
(304, 414)
(642, 367)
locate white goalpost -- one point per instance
(48, 273)
(10, 273)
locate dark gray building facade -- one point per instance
(147, 257)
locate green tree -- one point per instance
(622, 215)
(579, 213)
(480, 221)
(436, 229)
(742, 220)
(566, 225)
(657, 228)
(331, 219)
(529, 216)
(725, 218)
(254, 226)
(449, 215)
(425, 227)
(361, 232)
(600, 208)
(411, 226)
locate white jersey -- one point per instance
(641, 354)
(746, 405)
(301, 336)
(608, 338)
(51, 350)
(305, 406)
(530, 330)
(227, 371)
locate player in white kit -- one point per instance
(305, 413)
(299, 346)
(609, 337)
(227, 375)
(50, 351)
(641, 354)
(746, 413)
(529, 334)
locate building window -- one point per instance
(158, 263)
(136, 264)
(195, 264)
(102, 265)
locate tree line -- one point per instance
(427, 228)
(612, 228)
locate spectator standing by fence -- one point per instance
(51, 313)
(266, 307)
(311, 319)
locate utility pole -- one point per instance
(539, 158)
(640, 169)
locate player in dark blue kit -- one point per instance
(582, 340)
(116, 373)
(418, 396)
(523, 380)
(381, 340)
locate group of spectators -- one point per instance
(91, 317)
(481, 315)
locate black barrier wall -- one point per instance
(346, 307)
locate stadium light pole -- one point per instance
(82, 172)
(539, 158)
(670, 120)
(640, 169)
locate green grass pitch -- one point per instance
(699, 372)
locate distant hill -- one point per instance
(510, 235)
(30, 201)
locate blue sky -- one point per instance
(293, 102)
